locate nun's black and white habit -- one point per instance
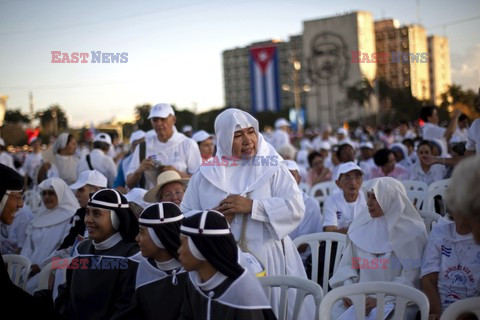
(277, 208)
(160, 286)
(105, 288)
(233, 292)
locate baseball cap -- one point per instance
(342, 130)
(367, 145)
(161, 110)
(347, 167)
(325, 145)
(187, 128)
(103, 137)
(137, 135)
(201, 135)
(92, 177)
(281, 123)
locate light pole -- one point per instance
(297, 90)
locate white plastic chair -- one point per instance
(413, 185)
(313, 241)
(457, 308)
(358, 292)
(429, 205)
(326, 188)
(47, 271)
(304, 288)
(439, 184)
(304, 187)
(18, 268)
(418, 198)
(430, 218)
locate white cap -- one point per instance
(187, 128)
(103, 137)
(137, 135)
(367, 145)
(92, 177)
(161, 110)
(291, 165)
(342, 130)
(281, 123)
(2, 142)
(136, 195)
(347, 167)
(325, 145)
(201, 135)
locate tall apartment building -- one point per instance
(439, 67)
(398, 73)
(237, 72)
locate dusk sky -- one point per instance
(174, 47)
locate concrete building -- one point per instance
(439, 67)
(327, 47)
(402, 70)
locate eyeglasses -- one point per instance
(18, 195)
(48, 193)
(170, 195)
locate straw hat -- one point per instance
(162, 179)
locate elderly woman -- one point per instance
(317, 172)
(60, 160)
(170, 187)
(384, 243)
(253, 188)
(50, 226)
(451, 262)
(206, 144)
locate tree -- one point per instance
(464, 100)
(52, 120)
(16, 116)
(141, 115)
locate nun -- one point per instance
(60, 160)
(384, 243)
(250, 184)
(50, 226)
(161, 279)
(101, 277)
(217, 286)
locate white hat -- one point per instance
(201, 135)
(162, 179)
(103, 137)
(92, 177)
(343, 131)
(2, 142)
(161, 110)
(187, 128)
(136, 196)
(325, 145)
(367, 145)
(291, 165)
(347, 167)
(281, 123)
(137, 135)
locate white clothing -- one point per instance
(436, 172)
(460, 135)
(338, 212)
(473, 141)
(32, 162)
(312, 220)
(279, 139)
(408, 135)
(431, 132)
(15, 233)
(456, 259)
(179, 151)
(7, 159)
(366, 166)
(101, 162)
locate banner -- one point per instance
(264, 79)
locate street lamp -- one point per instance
(297, 90)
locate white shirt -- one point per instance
(436, 172)
(101, 162)
(180, 152)
(432, 131)
(460, 135)
(279, 139)
(6, 159)
(338, 212)
(473, 140)
(456, 258)
(32, 162)
(312, 220)
(15, 233)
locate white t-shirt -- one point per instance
(473, 140)
(101, 162)
(456, 258)
(432, 131)
(32, 162)
(436, 172)
(338, 212)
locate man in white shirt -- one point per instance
(99, 160)
(166, 150)
(431, 130)
(341, 208)
(473, 140)
(5, 157)
(280, 136)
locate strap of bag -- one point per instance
(142, 154)
(89, 162)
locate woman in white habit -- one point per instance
(385, 243)
(255, 191)
(50, 226)
(61, 159)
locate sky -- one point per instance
(175, 47)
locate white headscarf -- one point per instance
(66, 165)
(406, 159)
(66, 208)
(60, 142)
(236, 178)
(405, 230)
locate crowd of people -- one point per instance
(183, 224)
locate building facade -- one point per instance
(439, 67)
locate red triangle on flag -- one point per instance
(262, 56)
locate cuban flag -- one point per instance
(264, 79)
